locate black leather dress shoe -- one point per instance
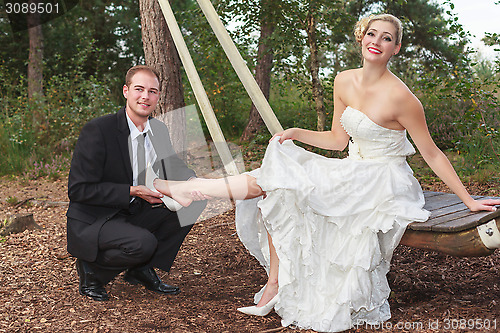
(148, 278)
(90, 286)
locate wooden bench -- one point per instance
(453, 229)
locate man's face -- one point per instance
(142, 95)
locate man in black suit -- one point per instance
(115, 223)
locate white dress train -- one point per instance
(335, 224)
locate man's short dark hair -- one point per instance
(132, 71)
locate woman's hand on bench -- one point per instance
(484, 204)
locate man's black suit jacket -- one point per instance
(101, 175)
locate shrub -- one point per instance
(29, 142)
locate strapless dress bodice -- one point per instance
(369, 140)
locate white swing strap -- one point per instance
(199, 91)
(246, 77)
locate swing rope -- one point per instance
(244, 74)
(199, 91)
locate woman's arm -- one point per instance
(411, 116)
(335, 139)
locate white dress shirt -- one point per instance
(148, 146)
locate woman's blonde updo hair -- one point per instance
(363, 25)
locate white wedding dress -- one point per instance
(335, 224)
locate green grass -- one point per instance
(12, 200)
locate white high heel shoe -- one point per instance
(261, 310)
(168, 201)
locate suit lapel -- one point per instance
(124, 142)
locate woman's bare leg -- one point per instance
(234, 187)
(272, 280)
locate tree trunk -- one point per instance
(17, 223)
(35, 64)
(262, 72)
(316, 87)
(161, 54)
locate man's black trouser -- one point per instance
(142, 236)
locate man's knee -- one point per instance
(134, 250)
(141, 248)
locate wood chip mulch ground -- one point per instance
(431, 292)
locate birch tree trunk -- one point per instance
(161, 54)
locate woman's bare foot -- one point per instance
(177, 190)
(269, 293)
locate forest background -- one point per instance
(58, 75)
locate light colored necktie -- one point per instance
(141, 160)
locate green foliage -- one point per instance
(462, 106)
(13, 53)
(427, 37)
(291, 108)
(463, 115)
(39, 149)
(88, 50)
(434, 62)
(100, 38)
(227, 95)
(72, 94)
(12, 200)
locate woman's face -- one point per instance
(379, 42)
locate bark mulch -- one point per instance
(431, 292)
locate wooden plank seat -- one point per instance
(453, 229)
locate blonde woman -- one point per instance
(326, 229)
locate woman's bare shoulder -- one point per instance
(347, 75)
(404, 98)
(399, 90)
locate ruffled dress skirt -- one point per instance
(335, 224)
